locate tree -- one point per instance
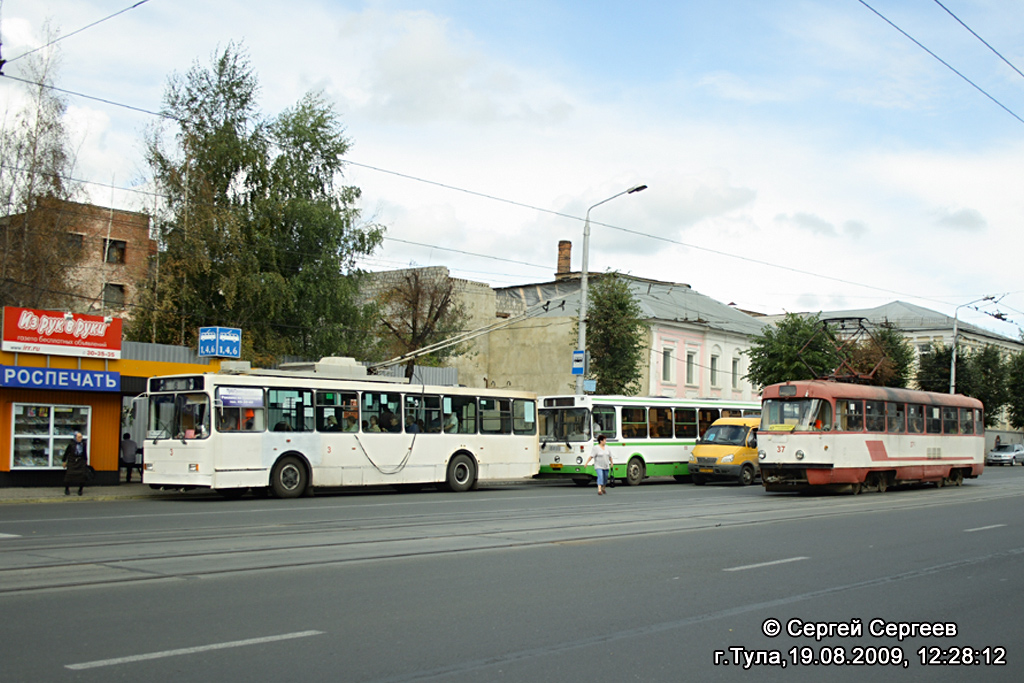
(933, 369)
(887, 354)
(418, 309)
(36, 164)
(795, 348)
(989, 381)
(616, 336)
(257, 231)
(1015, 389)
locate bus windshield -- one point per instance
(798, 414)
(725, 435)
(568, 424)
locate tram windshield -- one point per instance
(566, 424)
(799, 414)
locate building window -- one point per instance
(114, 250)
(74, 242)
(714, 371)
(691, 365)
(735, 373)
(113, 296)
(668, 365)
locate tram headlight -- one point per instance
(728, 458)
(761, 455)
(799, 455)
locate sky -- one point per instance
(800, 155)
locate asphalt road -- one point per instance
(520, 583)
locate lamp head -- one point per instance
(638, 188)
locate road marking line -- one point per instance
(191, 650)
(10, 535)
(984, 528)
(764, 564)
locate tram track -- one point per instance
(55, 564)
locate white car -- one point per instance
(1006, 454)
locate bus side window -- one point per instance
(686, 423)
(706, 417)
(634, 423)
(604, 422)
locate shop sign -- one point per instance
(220, 342)
(60, 379)
(56, 333)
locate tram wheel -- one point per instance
(958, 478)
(883, 483)
(634, 471)
(288, 480)
(461, 473)
(747, 475)
(940, 483)
(856, 488)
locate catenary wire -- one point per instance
(985, 42)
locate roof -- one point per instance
(910, 319)
(667, 302)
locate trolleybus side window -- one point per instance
(524, 417)
(336, 409)
(850, 415)
(660, 423)
(240, 409)
(933, 419)
(459, 414)
(915, 419)
(895, 418)
(949, 422)
(634, 423)
(422, 414)
(967, 421)
(290, 410)
(604, 422)
(686, 423)
(706, 416)
(382, 412)
(495, 416)
(874, 416)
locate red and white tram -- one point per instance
(854, 437)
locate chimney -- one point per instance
(564, 259)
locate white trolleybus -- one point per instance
(849, 437)
(648, 436)
(288, 431)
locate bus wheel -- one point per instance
(634, 471)
(746, 475)
(232, 494)
(461, 473)
(581, 481)
(288, 480)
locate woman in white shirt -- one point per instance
(602, 457)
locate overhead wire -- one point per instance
(985, 42)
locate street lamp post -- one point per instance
(952, 362)
(581, 342)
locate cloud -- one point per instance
(729, 86)
(809, 222)
(963, 220)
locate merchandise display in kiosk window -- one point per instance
(42, 432)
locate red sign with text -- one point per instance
(27, 330)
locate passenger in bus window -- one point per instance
(351, 425)
(332, 424)
(374, 426)
(228, 421)
(451, 423)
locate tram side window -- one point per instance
(850, 415)
(979, 421)
(634, 423)
(423, 414)
(290, 410)
(459, 414)
(524, 417)
(874, 416)
(967, 421)
(705, 417)
(895, 418)
(915, 419)
(686, 423)
(660, 423)
(933, 419)
(495, 416)
(949, 420)
(382, 412)
(604, 422)
(337, 411)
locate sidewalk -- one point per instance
(55, 494)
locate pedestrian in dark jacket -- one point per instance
(77, 465)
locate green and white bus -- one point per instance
(649, 436)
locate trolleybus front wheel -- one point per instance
(288, 480)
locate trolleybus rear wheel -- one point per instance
(461, 473)
(288, 479)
